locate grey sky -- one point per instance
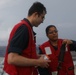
(61, 13)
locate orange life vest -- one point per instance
(30, 52)
(67, 65)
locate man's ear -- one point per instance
(35, 14)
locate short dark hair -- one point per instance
(48, 27)
(37, 7)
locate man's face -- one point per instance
(53, 34)
(39, 19)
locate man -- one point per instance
(52, 49)
(21, 58)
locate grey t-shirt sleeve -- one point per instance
(20, 40)
(73, 46)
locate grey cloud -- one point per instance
(59, 12)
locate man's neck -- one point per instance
(30, 20)
(54, 43)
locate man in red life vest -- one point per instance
(52, 49)
(21, 58)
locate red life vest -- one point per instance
(67, 65)
(30, 52)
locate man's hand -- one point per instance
(67, 41)
(43, 63)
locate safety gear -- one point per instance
(68, 62)
(29, 52)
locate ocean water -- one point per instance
(1, 66)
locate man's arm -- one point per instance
(73, 46)
(20, 39)
(18, 60)
(71, 43)
(19, 43)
